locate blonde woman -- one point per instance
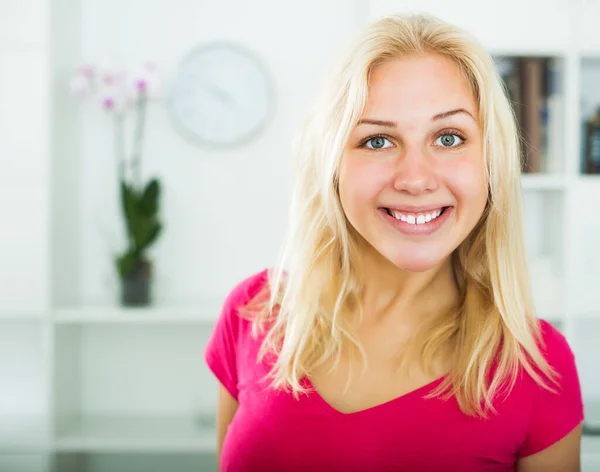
(401, 334)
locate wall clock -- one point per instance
(222, 95)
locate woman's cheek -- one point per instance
(467, 179)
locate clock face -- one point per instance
(222, 95)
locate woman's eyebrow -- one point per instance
(446, 114)
(393, 124)
(369, 121)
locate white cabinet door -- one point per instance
(23, 463)
(532, 26)
(590, 454)
(590, 463)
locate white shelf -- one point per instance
(21, 317)
(152, 315)
(588, 179)
(167, 435)
(22, 433)
(135, 434)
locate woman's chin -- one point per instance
(416, 262)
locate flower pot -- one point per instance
(137, 287)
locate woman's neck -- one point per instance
(392, 294)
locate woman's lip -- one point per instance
(416, 209)
(424, 229)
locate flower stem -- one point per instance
(119, 122)
(119, 147)
(136, 163)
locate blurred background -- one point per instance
(145, 169)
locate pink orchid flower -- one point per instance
(144, 80)
(118, 88)
(82, 83)
(112, 89)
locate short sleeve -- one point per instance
(222, 349)
(554, 415)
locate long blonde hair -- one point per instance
(317, 287)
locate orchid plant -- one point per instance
(123, 91)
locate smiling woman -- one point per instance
(416, 154)
(398, 332)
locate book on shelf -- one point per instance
(592, 144)
(534, 90)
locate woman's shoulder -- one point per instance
(555, 411)
(558, 355)
(248, 297)
(246, 289)
(562, 384)
(230, 343)
(554, 345)
(232, 324)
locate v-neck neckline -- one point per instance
(404, 398)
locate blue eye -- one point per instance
(378, 142)
(449, 140)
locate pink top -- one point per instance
(273, 432)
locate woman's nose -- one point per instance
(415, 173)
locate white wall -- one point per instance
(224, 211)
(23, 158)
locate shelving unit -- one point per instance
(97, 388)
(166, 434)
(145, 316)
(22, 434)
(166, 408)
(135, 461)
(9, 317)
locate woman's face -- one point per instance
(412, 178)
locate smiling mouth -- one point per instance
(416, 218)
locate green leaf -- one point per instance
(149, 200)
(152, 234)
(129, 205)
(140, 212)
(146, 232)
(126, 263)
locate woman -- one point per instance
(401, 336)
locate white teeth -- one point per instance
(419, 219)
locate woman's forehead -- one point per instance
(417, 88)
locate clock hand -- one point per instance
(223, 96)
